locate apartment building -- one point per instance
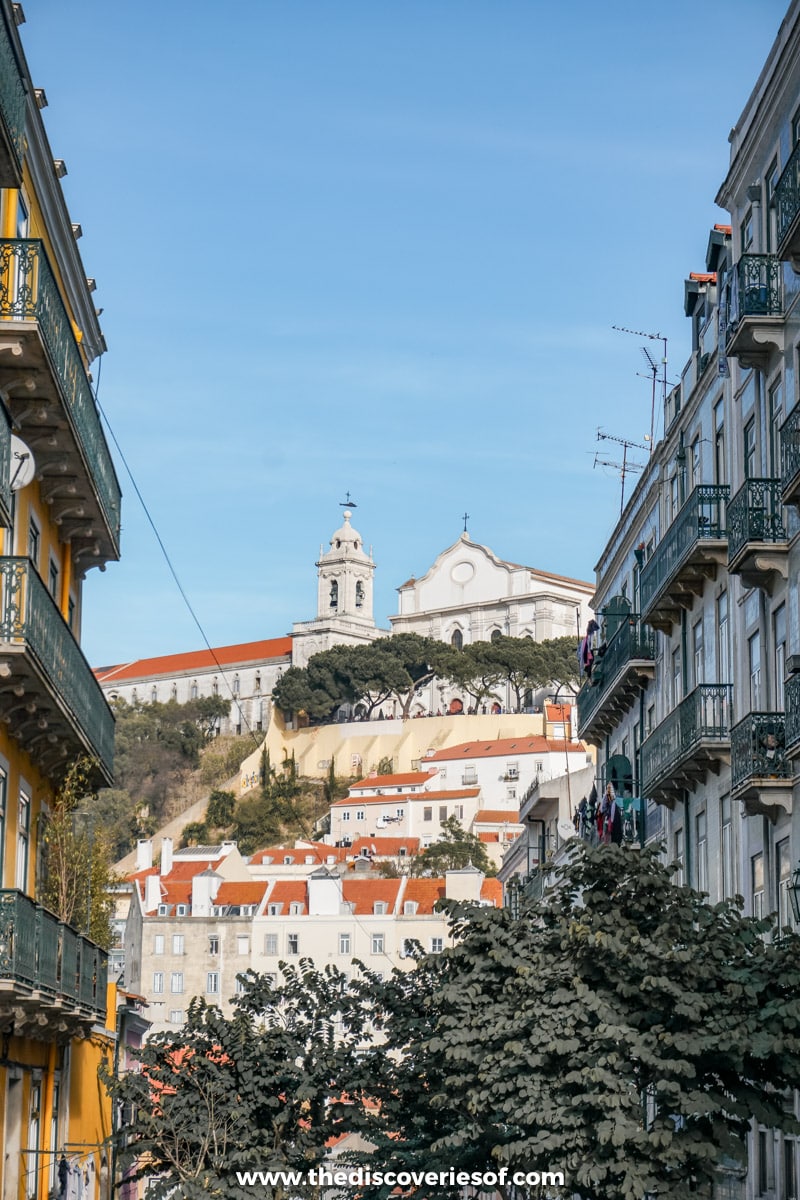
(59, 518)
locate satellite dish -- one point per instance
(566, 830)
(23, 466)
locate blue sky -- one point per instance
(377, 246)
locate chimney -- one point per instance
(166, 855)
(152, 892)
(144, 855)
(465, 884)
(204, 892)
(324, 893)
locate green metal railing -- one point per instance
(40, 952)
(5, 468)
(28, 292)
(755, 514)
(702, 517)
(29, 615)
(704, 716)
(12, 97)
(631, 642)
(790, 448)
(758, 748)
(791, 700)
(755, 289)
(787, 195)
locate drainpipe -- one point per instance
(686, 839)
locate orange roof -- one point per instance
(197, 660)
(497, 816)
(384, 845)
(407, 780)
(488, 837)
(288, 891)
(416, 797)
(557, 712)
(723, 229)
(506, 746)
(241, 893)
(425, 892)
(176, 893)
(363, 893)
(703, 276)
(492, 889)
(276, 855)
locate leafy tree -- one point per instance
(562, 662)
(622, 1030)
(220, 808)
(524, 665)
(262, 1089)
(454, 849)
(477, 670)
(195, 834)
(78, 878)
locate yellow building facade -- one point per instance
(59, 517)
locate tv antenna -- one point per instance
(653, 369)
(625, 467)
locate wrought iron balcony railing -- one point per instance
(758, 750)
(678, 752)
(41, 956)
(631, 643)
(701, 520)
(756, 290)
(5, 467)
(791, 700)
(755, 514)
(790, 457)
(31, 626)
(787, 203)
(28, 292)
(12, 111)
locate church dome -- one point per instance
(346, 540)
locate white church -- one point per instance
(468, 594)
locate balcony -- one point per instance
(790, 458)
(52, 980)
(12, 112)
(689, 553)
(787, 210)
(617, 678)
(52, 406)
(5, 468)
(693, 740)
(761, 772)
(791, 698)
(758, 546)
(755, 309)
(51, 700)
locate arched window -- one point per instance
(194, 692)
(215, 686)
(359, 594)
(236, 685)
(495, 636)
(174, 692)
(457, 639)
(334, 594)
(153, 694)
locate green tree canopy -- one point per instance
(454, 849)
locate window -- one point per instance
(236, 685)
(295, 908)
(360, 814)
(676, 675)
(779, 641)
(258, 682)
(409, 908)
(399, 813)
(757, 883)
(750, 465)
(726, 846)
(790, 1169)
(359, 594)
(697, 653)
(177, 943)
(293, 943)
(215, 686)
(746, 231)
(163, 910)
(378, 943)
(3, 796)
(442, 812)
(213, 944)
(193, 691)
(34, 542)
(173, 692)
(723, 645)
(158, 982)
(344, 943)
(176, 1016)
(212, 983)
(176, 981)
(427, 814)
(784, 878)
(695, 476)
(379, 908)
(701, 840)
(274, 910)
(182, 910)
(23, 838)
(770, 215)
(457, 639)
(677, 854)
(242, 944)
(754, 656)
(720, 472)
(52, 580)
(437, 945)
(766, 1161)
(71, 613)
(775, 416)
(334, 600)
(241, 984)
(346, 814)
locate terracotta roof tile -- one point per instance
(510, 747)
(425, 892)
(703, 276)
(496, 816)
(416, 798)
(288, 891)
(298, 855)
(197, 660)
(365, 892)
(380, 846)
(492, 889)
(241, 893)
(407, 780)
(726, 229)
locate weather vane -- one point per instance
(347, 503)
